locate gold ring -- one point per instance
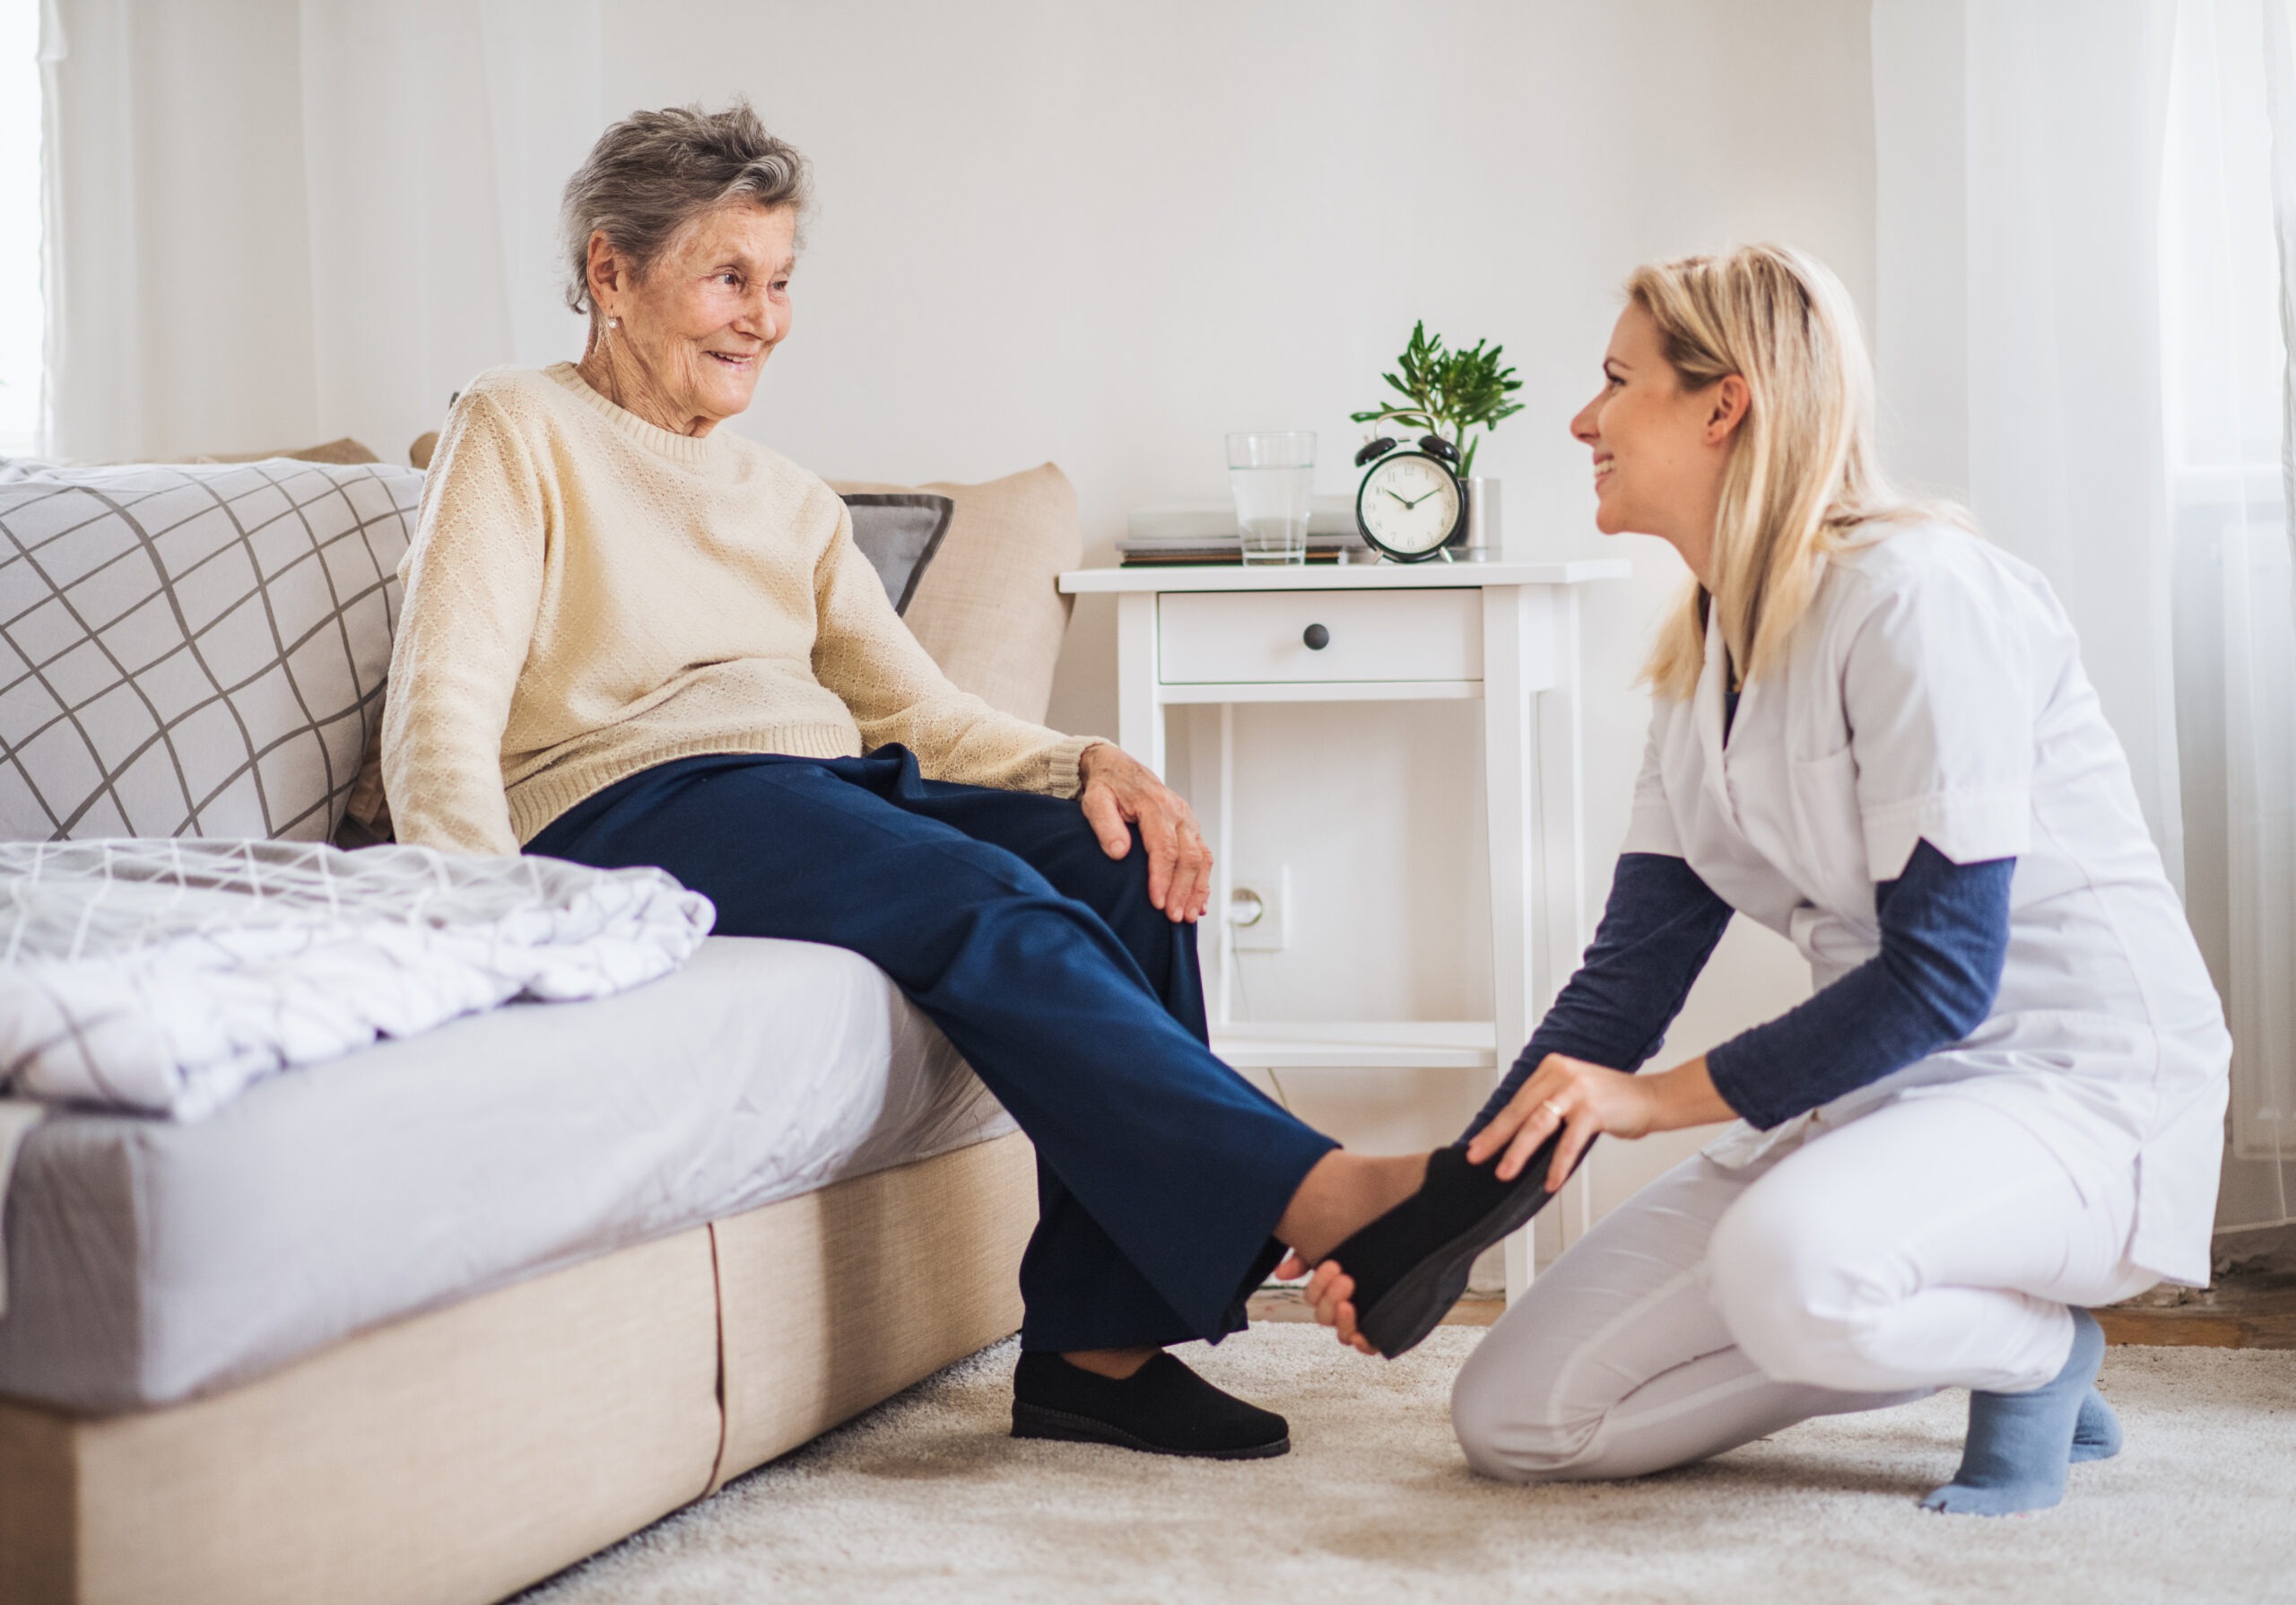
(1552, 1108)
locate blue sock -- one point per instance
(2096, 1435)
(2021, 1443)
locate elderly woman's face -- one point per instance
(701, 323)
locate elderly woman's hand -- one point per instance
(1120, 790)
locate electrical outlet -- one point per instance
(1259, 911)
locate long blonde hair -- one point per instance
(1803, 476)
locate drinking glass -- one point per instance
(1274, 477)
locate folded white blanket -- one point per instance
(164, 976)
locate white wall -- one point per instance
(1106, 234)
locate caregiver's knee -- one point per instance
(1505, 1438)
(1798, 1296)
(1511, 1449)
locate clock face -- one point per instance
(1408, 503)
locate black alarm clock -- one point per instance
(1411, 505)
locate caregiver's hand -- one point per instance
(1584, 1099)
(1120, 790)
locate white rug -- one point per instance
(926, 1500)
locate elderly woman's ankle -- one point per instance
(1342, 1195)
(1114, 1363)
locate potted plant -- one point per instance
(1453, 393)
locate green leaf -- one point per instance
(1451, 393)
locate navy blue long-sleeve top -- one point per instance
(1944, 937)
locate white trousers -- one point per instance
(1933, 1242)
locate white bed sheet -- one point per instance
(150, 1261)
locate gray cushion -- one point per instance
(193, 651)
(899, 535)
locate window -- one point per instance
(22, 307)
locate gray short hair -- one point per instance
(655, 171)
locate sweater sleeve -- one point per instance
(1944, 939)
(1659, 928)
(898, 696)
(473, 590)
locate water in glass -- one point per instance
(1273, 478)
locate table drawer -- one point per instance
(1256, 637)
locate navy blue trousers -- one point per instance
(1160, 1172)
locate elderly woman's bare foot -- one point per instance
(1114, 1363)
(1343, 1194)
(1388, 1285)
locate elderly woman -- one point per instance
(632, 639)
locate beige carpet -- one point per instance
(926, 1500)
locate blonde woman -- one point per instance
(2004, 1104)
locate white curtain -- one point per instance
(2225, 286)
(2078, 333)
(279, 222)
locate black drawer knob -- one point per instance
(1316, 637)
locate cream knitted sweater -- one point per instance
(588, 595)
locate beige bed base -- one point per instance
(458, 1456)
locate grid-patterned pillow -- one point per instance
(195, 650)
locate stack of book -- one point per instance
(1184, 533)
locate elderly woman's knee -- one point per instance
(1116, 889)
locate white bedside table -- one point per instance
(1507, 633)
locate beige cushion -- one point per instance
(340, 452)
(990, 609)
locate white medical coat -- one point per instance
(1935, 690)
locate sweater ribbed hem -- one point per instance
(1066, 780)
(538, 799)
(693, 451)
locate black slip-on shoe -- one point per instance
(1161, 1408)
(1411, 1265)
